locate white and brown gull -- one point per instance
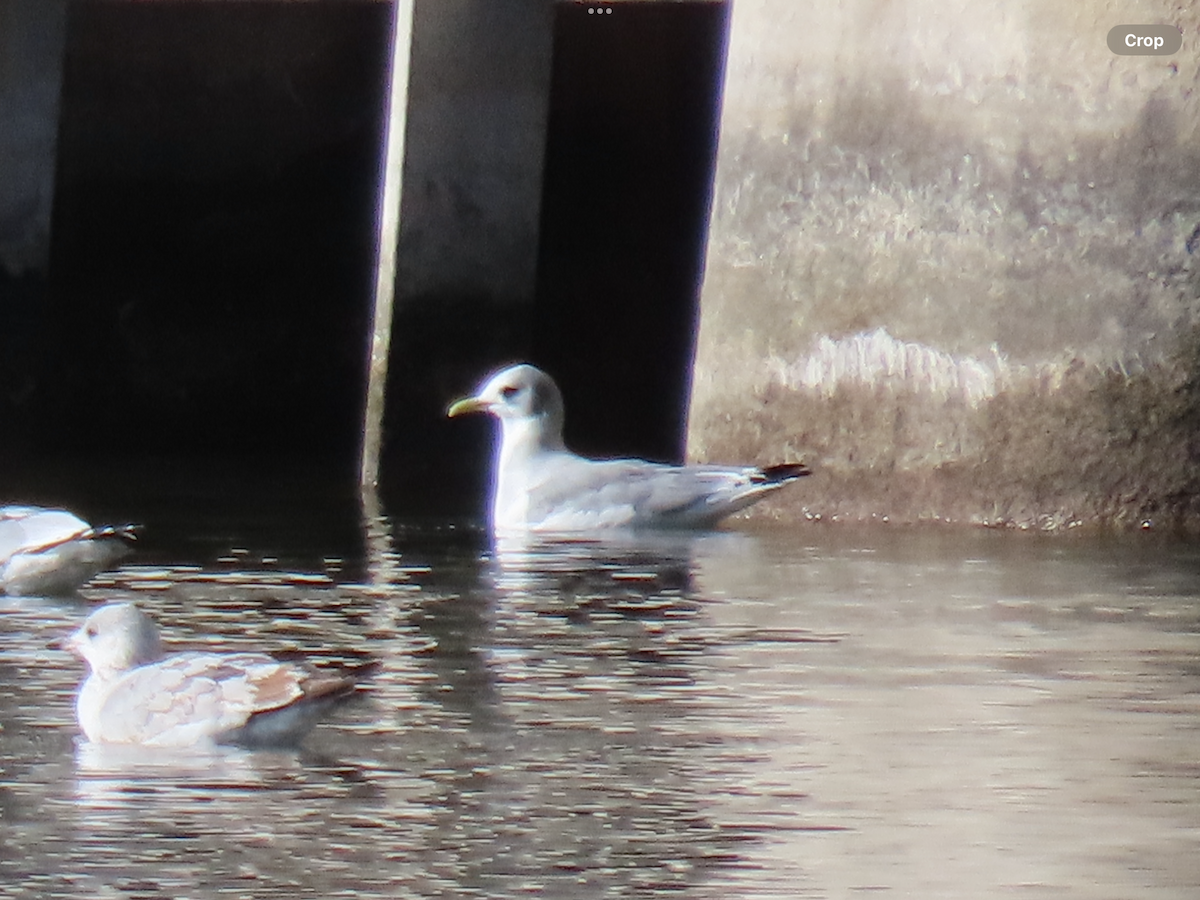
(135, 694)
(541, 486)
(53, 551)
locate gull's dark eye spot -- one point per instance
(91, 631)
(508, 392)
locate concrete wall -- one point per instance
(31, 60)
(469, 229)
(31, 49)
(954, 262)
(478, 101)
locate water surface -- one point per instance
(821, 712)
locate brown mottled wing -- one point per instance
(193, 697)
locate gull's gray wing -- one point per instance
(572, 493)
(29, 529)
(52, 551)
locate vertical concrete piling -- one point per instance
(954, 263)
(31, 53)
(32, 35)
(391, 183)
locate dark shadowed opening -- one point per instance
(207, 299)
(213, 228)
(630, 155)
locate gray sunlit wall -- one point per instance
(954, 262)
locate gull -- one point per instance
(134, 694)
(52, 551)
(541, 486)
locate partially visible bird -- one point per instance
(134, 694)
(51, 551)
(542, 486)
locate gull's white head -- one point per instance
(525, 399)
(115, 638)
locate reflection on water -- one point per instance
(819, 712)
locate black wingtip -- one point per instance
(125, 532)
(784, 472)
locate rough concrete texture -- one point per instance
(954, 263)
